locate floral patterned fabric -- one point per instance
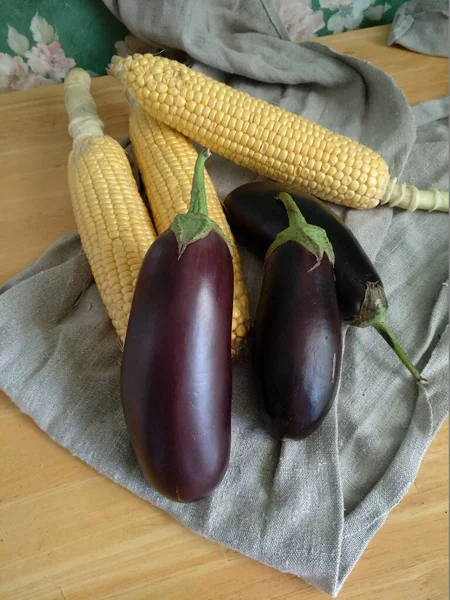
(85, 32)
(32, 66)
(305, 19)
(44, 61)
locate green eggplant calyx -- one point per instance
(311, 237)
(189, 228)
(379, 322)
(195, 224)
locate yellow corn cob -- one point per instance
(265, 138)
(112, 220)
(166, 162)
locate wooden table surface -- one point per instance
(67, 532)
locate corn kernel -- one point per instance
(174, 171)
(103, 168)
(262, 123)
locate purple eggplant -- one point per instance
(256, 218)
(297, 334)
(176, 366)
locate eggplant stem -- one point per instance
(381, 325)
(195, 224)
(295, 217)
(311, 237)
(198, 204)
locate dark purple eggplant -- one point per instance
(297, 335)
(176, 366)
(256, 218)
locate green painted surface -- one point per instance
(87, 30)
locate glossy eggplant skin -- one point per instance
(256, 218)
(297, 341)
(176, 366)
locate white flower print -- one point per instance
(46, 61)
(335, 4)
(42, 31)
(13, 72)
(374, 13)
(15, 75)
(17, 42)
(300, 20)
(348, 17)
(49, 60)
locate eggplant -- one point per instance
(297, 334)
(256, 218)
(176, 366)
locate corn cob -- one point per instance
(265, 138)
(112, 220)
(166, 161)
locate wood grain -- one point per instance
(67, 533)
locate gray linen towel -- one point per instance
(311, 507)
(421, 26)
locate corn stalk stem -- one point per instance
(409, 197)
(84, 121)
